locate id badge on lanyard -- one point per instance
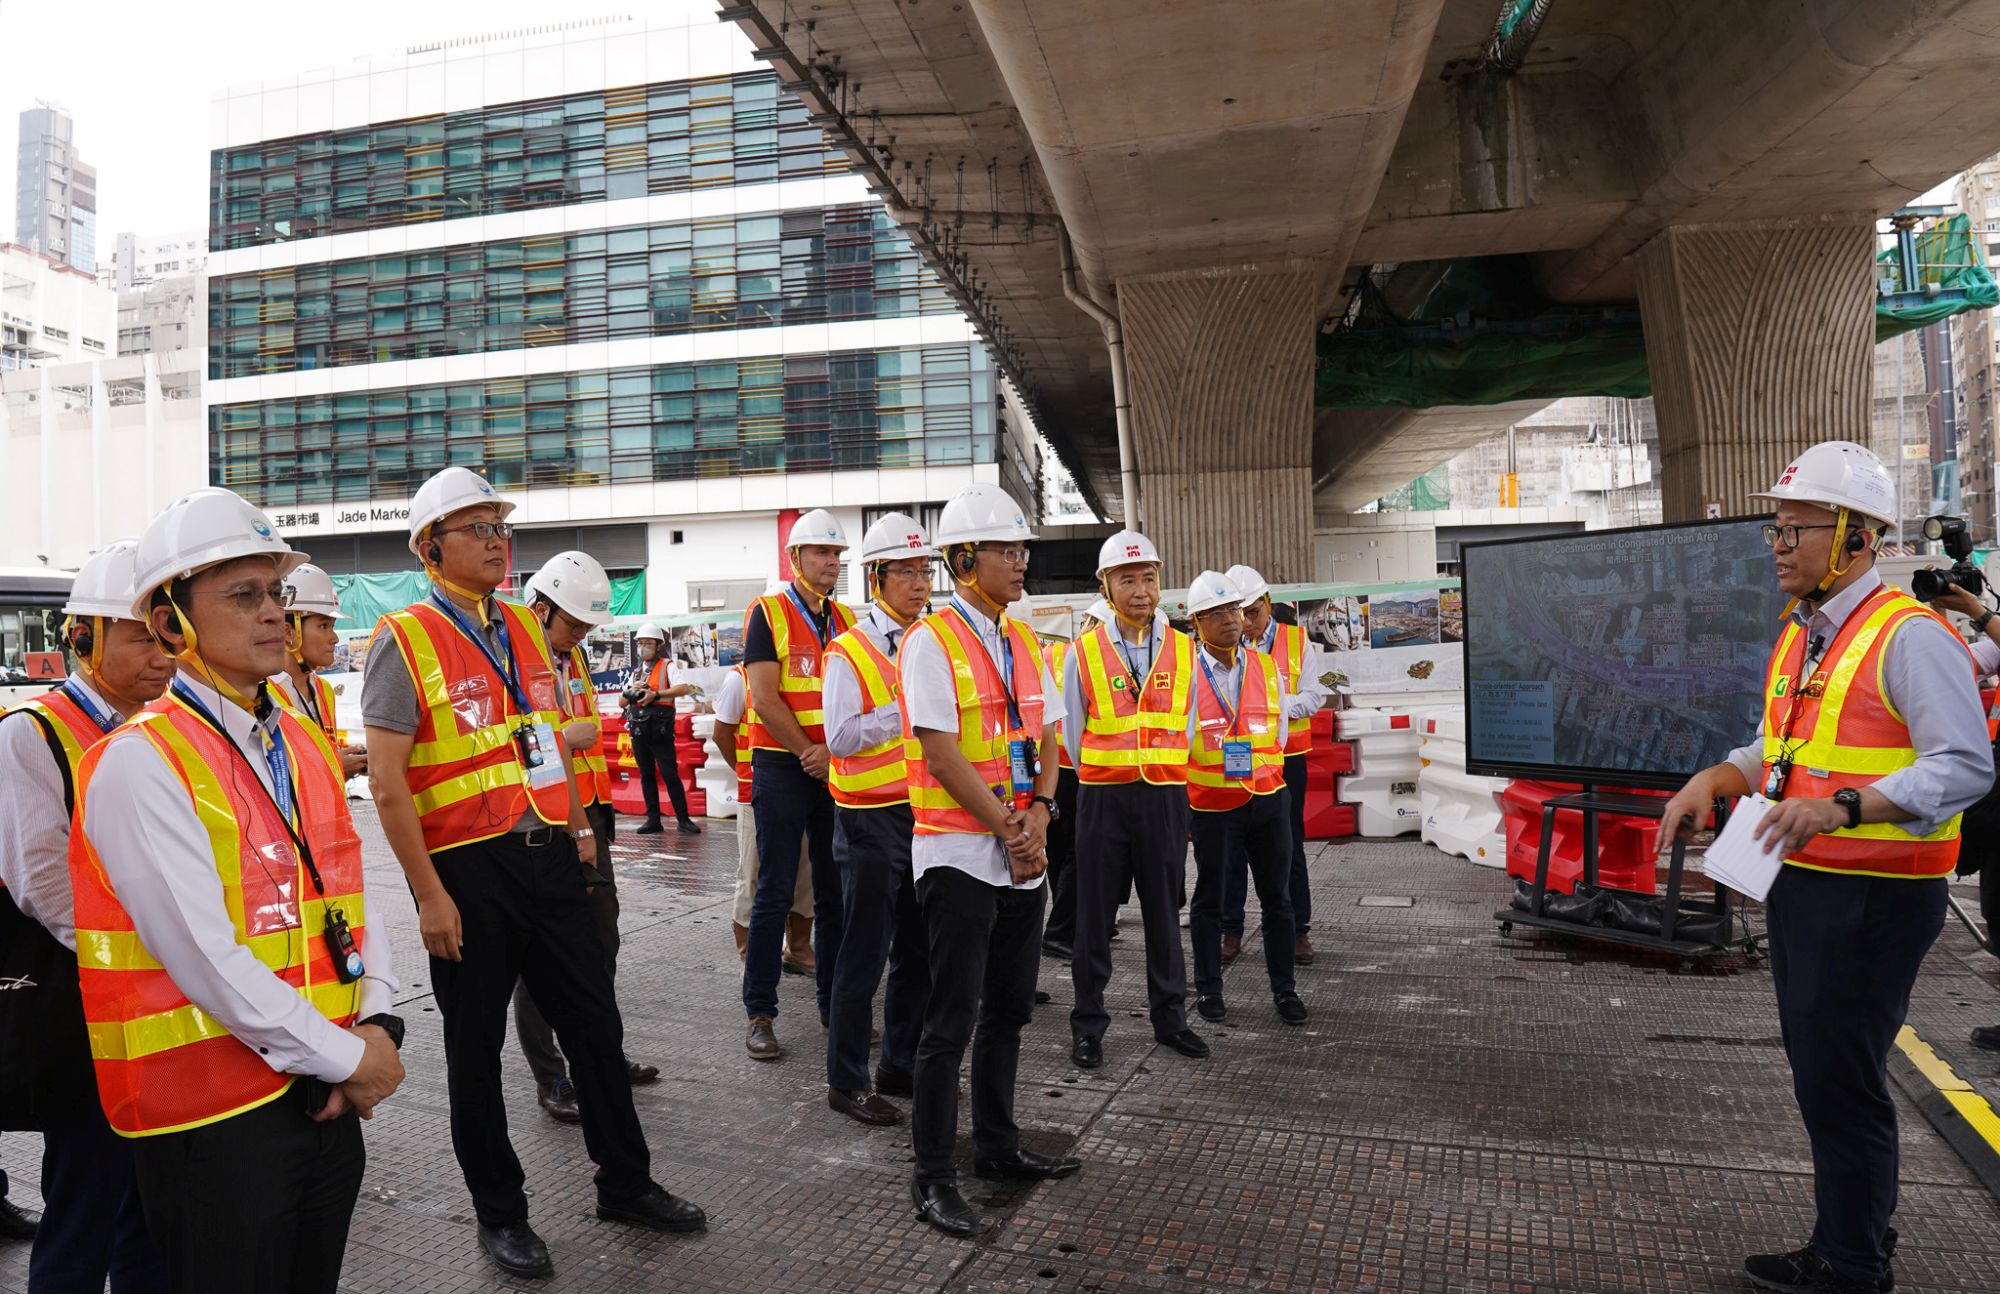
(1022, 768)
(1236, 757)
(538, 748)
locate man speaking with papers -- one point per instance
(1874, 742)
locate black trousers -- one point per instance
(882, 925)
(93, 1225)
(257, 1204)
(790, 806)
(1845, 952)
(1136, 834)
(538, 1040)
(653, 750)
(985, 944)
(527, 919)
(1061, 927)
(1257, 836)
(1236, 881)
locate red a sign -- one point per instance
(44, 665)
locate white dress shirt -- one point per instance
(730, 703)
(1138, 660)
(848, 730)
(34, 830)
(158, 858)
(1985, 656)
(1229, 682)
(1308, 694)
(931, 693)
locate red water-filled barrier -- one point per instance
(1625, 846)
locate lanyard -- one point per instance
(509, 673)
(279, 792)
(1270, 644)
(1234, 712)
(822, 635)
(1007, 654)
(1124, 650)
(105, 721)
(309, 699)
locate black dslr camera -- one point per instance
(1926, 586)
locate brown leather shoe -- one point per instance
(558, 1100)
(742, 934)
(799, 946)
(760, 1041)
(1302, 951)
(863, 1107)
(1231, 945)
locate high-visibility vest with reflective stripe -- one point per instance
(744, 778)
(800, 662)
(74, 728)
(880, 775)
(1259, 708)
(163, 1064)
(1288, 651)
(1134, 728)
(465, 766)
(984, 724)
(593, 774)
(1847, 734)
(322, 692)
(1058, 657)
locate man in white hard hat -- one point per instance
(1867, 850)
(571, 595)
(311, 607)
(1127, 694)
(651, 717)
(974, 690)
(236, 987)
(1296, 656)
(479, 801)
(92, 1225)
(785, 637)
(1236, 787)
(732, 716)
(881, 920)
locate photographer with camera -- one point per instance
(1961, 589)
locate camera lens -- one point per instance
(1926, 585)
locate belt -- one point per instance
(538, 837)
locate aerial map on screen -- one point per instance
(1634, 651)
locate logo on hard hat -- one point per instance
(262, 530)
(1791, 471)
(915, 541)
(600, 604)
(1131, 550)
(484, 488)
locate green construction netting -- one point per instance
(364, 599)
(1948, 258)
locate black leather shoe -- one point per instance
(558, 1100)
(1211, 1006)
(943, 1207)
(1087, 1053)
(1803, 1271)
(689, 827)
(1290, 1009)
(656, 1210)
(17, 1223)
(866, 1108)
(1187, 1042)
(1027, 1166)
(1057, 949)
(516, 1249)
(891, 1082)
(639, 1075)
(1042, 997)
(650, 827)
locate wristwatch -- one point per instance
(1850, 799)
(1055, 811)
(1979, 623)
(389, 1024)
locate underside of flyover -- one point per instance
(1229, 175)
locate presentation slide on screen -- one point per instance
(1638, 651)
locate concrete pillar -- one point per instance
(1221, 370)
(1761, 341)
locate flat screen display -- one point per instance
(1619, 657)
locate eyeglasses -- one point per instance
(914, 574)
(1221, 613)
(1788, 536)
(481, 530)
(248, 599)
(1013, 554)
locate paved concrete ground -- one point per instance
(1463, 1113)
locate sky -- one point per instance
(138, 76)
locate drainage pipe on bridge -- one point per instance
(1114, 342)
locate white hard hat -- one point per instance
(1100, 611)
(310, 591)
(1248, 582)
(1126, 548)
(103, 585)
(576, 583)
(981, 513)
(210, 526)
(817, 527)
(447, 492)
(894, 538)
(651, 631)
(1212, 589)
(1839, 474)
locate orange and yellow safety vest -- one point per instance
(579, 697)
(1288, 651)
(800, 664)
(1058, 656)
(985, 726)
(879, 776)
(1259, 708)
(1135, 726)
